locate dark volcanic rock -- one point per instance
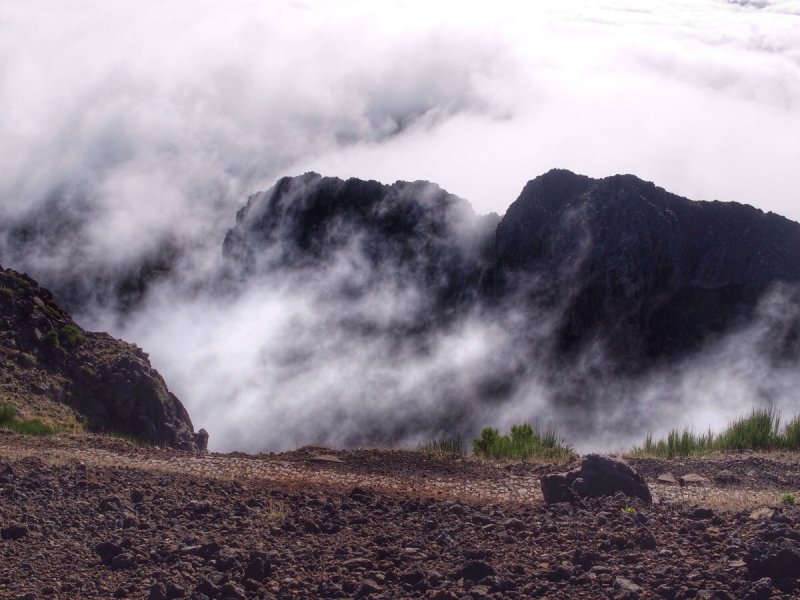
(618, 260)
(49, 361)
(778, 559)
(412, 233)
(597, 476)
(589, 550)
(652, 273)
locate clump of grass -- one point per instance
(788, 498)
(7, 292)
(10, 420)
(26, 359)
(522, 443)
(446, 445)
(678, 443)
(52, 340)
(276, 511)
(71, 336)
(791, 435)
(760, 430)
(7, 413)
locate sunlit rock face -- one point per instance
(618, 262)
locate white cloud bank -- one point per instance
(159, 118)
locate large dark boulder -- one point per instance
(52, 364)
(597, 476)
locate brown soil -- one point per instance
(94, 517)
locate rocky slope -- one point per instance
(54, 370)
(93, 518)
(616, 260)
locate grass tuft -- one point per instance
(791, 435)
(760, 430)
(10, 420)
(445, 445)
(71, 336)
(522, 443)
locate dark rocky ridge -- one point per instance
(647, 271)
(415, 233)
(650, 275)
(51, 365)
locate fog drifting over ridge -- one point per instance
(144, 122)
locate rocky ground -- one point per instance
(93, 517)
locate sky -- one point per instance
(155, 120)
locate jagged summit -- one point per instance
(414, 231)
(619, 259)
(641, 268)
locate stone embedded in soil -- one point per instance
(14, 532)
(692, 479)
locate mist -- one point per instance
(132, 133)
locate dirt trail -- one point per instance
(442, 478)
(403, 472)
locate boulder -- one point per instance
(597, 476)
(779, 558)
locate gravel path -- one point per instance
(97, 518)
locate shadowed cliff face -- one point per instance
(647, 273)
(618, 262)
(414, 236)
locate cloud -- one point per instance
(133, 129)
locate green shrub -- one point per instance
(523, 442)
(71, 336)
(87, 371)
(678, 443)
(31, 427)
(788, 498)
(7, 292)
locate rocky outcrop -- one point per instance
(49, 361)
(597, 476)
(647, 274)
(414, 234)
